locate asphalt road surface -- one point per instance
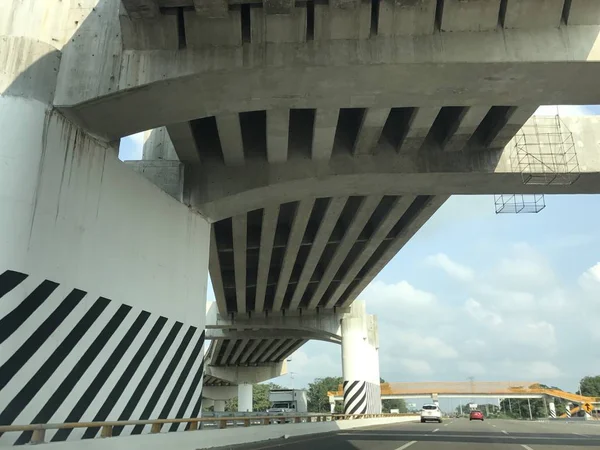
(452, 434)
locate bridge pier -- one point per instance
(360, 361)
(245, 397)
(99, 318)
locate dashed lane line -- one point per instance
(526, 447)
(408, 444)
(436, 430)
(505, 432)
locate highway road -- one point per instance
(453, 434)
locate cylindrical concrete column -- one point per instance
(552, 409)
(245, 397)
(360, 362)
(568, 411)
(219, 406)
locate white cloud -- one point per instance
(540, 370)
(481, 314)
(452, 268)
(471, 368)
(416, 366)
(422, 344)
(590, 279)
(539, 334)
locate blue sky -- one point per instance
(495, 297)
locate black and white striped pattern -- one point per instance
(67, 357)
(362, 397)
(568, 411)
(552, 413)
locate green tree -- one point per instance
(398, 404)
(590, 386)
(260, 398)
(317, 394)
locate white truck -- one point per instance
(288, 401)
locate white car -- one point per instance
(431, 412)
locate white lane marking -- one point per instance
(494, 426)
(406, 445)
(437, 429)
(446, 424)
(504, 432)
(579, 434)
(526, 447)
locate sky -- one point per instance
(474, 294)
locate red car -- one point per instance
(476, 415)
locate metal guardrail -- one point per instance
(106, 428)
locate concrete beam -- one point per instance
(583, 12)
(326, 324)
(364, 213)
(342, 20)
(159, 33)
(278, 126)
(278, 28)
(238, 352)
(184, 142)
(275, 333)
(228, 350)
(533, 13)
(406, 17)
(273, 349)
(260, 350)
(250, 350)
(141, 9)
(230, 134)
(285, 351)
(514, 122)
(470, 15)
(370, 129)
(215, 349)
(155, 88)
(330, 218)
(324, 133)
(240, 227)
(278, 6)
(301, 216)
(383, 229)
(211, 9)
(214, 268)
(166, 175)
(432, 205)
(158, 145)
(245, 374)
(267, 237)
(219, 392)
(205, 32)
(467, 124)
(418, 128)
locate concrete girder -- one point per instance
(464, 125)
(214, 268)
(301, 216)
(363, 214)
(158, 146)
(247, 374)
(230, 134)
(278, 125)
(330, 219)
(502, 67)
(419, 125)
(250, 350)
(324, 133)
(276, 333)
(393, 216)
(260, 350)
(240, 228)
(184, 142)
(238, 352)
(514, 120)
(325, 324)
(267, 237)
(429, 172)
(142, 9)
(370, 129)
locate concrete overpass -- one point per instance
(304, 145)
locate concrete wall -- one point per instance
(195, 440)
(102, 275)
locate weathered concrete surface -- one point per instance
(512, 67)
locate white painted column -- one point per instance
(360, 362)
(552, 408)
(91, 313)
(219, 406)
(245, 397)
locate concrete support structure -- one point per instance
(245, 397)
(360, 362)
(552, 408)
(219, 406)
(85, 331)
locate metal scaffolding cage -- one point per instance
(519, 203)
(545, 153)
